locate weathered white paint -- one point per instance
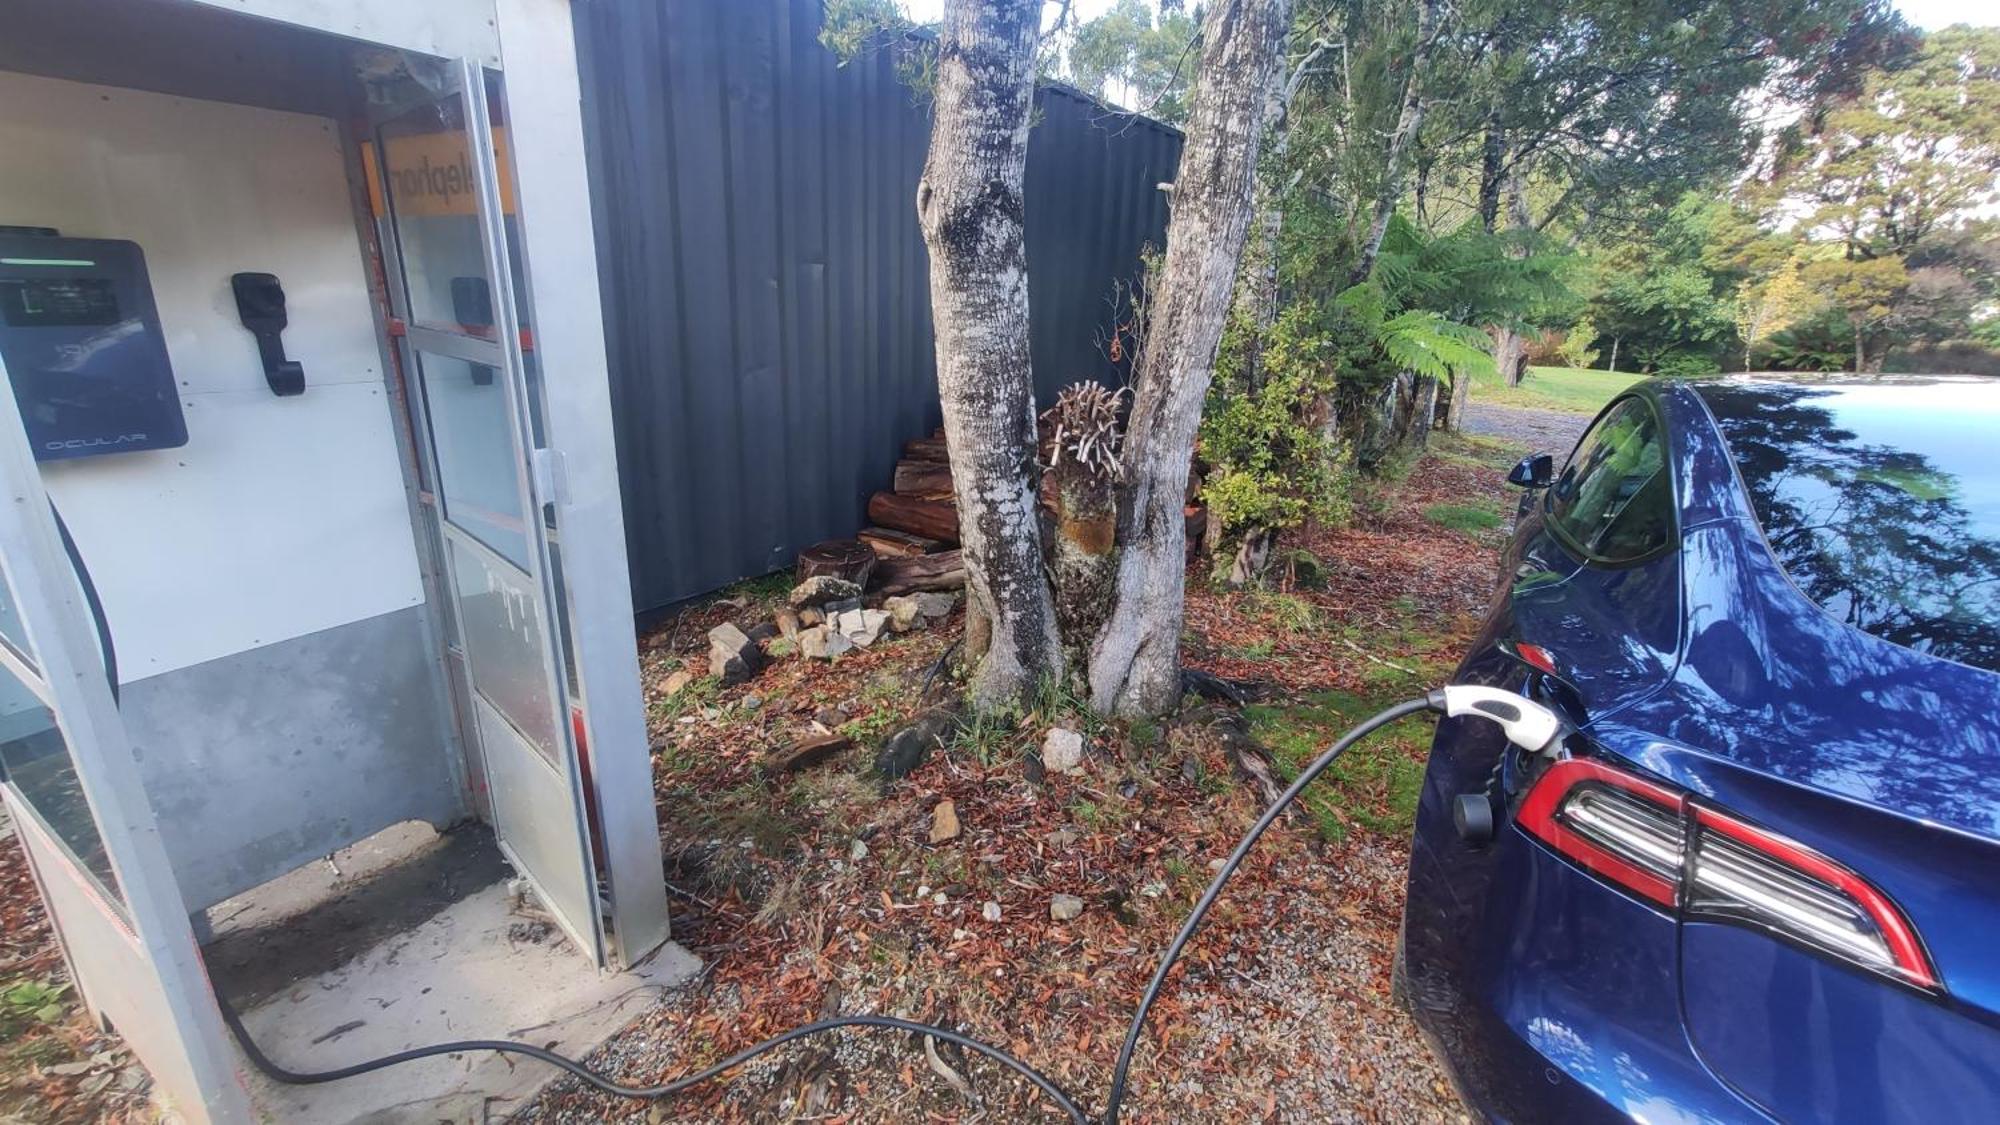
(281, 516)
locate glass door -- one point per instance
(447, 207)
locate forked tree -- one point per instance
(1121, 530)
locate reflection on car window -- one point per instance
(1613, 501)
(1882, 501)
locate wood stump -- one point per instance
(848, 559)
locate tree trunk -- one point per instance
(1860, 352)
(1492, 171)
(1461, 395)
(1613, 365)
(969, 206)
(1510, 354)
(1408, 123)
(1135, 661)
(1510, 348)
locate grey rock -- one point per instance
(1062, 908)
(788, 624)
(821, 589)
(822, 643)
(904, 614)
(935, 605)
(990, 912)
(907, 748)
(732, 656)
(861, 626)
(1062, 750)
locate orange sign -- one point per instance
(431, 174)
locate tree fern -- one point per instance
(1426, 343)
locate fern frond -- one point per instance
(1430, 345)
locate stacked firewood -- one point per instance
(912, 544)
(912, 541)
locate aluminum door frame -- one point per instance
(502, 353)
(544, 100)
(71, 683)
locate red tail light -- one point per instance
(1638, 835)
(1537, 656)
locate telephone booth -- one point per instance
(319, 696)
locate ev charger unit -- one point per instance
(82, 342)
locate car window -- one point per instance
(1613, 501)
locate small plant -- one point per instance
(1289, 612)
(37, 1001)
(986, 735)
(875, 725)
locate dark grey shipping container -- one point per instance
(766, 290)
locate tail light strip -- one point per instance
(1636, 834)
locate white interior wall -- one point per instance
(281, 516)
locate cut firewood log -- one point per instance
(889, 543)
(928, 479)
(848, 559)
(942, 571)
(932, 519)
(926, 449)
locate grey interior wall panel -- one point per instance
(262, 760)
(766, 289)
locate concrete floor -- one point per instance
(485, 962)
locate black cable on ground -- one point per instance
(1432, 702)
(611, 1086)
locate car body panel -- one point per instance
(1708, 669)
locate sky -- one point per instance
(1923, 13)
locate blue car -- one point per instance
(1760, 880)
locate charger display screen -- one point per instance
(59, 302)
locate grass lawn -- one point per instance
(1577, 390)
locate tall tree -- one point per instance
(1913, 153)
(969, 204)
(1137, 57)
(1135, 660)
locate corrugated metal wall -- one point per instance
(765, 284)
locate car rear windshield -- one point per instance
(1882, 500)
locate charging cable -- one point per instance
(1527, 724)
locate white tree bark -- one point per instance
(1409, 122)
(1135, 662)
(969, 204)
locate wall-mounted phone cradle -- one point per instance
(260, 301)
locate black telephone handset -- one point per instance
(260, 301)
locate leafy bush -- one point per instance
(1686, 365)
(1579, 344)
(1271, 461)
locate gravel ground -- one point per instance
(1545, 431)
